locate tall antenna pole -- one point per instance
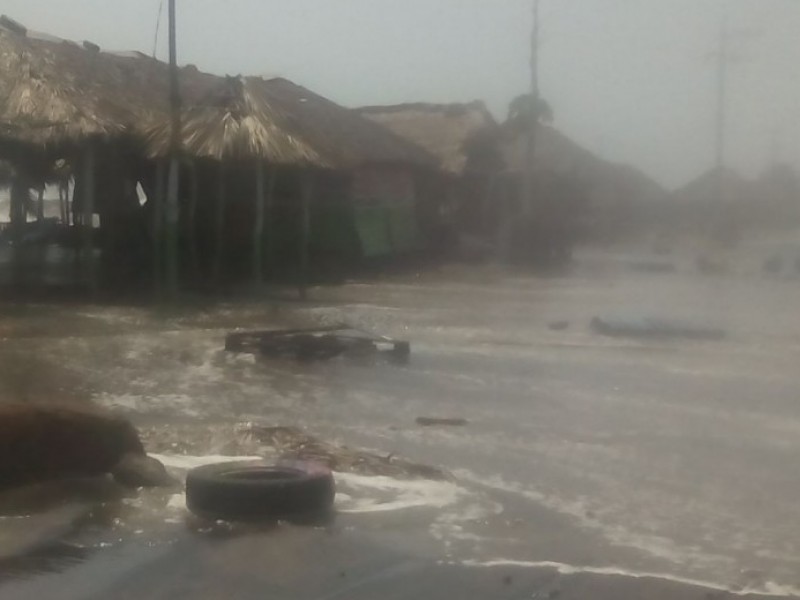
(172, 212)
(723, 56)
(529, 175)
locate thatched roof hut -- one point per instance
(444, 130)
(279, 122)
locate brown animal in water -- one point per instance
(41, 442)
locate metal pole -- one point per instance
(718, 225)
(172, 208)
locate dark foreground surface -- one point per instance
(588, 467)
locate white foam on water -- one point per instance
(372, 494)
(185, 461)
(655, 545)
(768, 588)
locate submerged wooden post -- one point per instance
(305, 232)
(220, 225)
(87, 217)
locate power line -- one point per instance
(158, 27)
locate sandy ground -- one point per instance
(589, 467)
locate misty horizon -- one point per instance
(635, 84)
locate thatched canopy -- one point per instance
(280, 122)
(444, 130)
(234, 122)
(55, 92)
(44, 102)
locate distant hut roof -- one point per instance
(278, 121)
(444, 130)
(716, 184)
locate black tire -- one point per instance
(244, 491)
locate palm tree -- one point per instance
(526, 109)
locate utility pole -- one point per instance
(723, 58)
(529, 175)
(172, 212)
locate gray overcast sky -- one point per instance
(630, 79)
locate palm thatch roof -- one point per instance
(42, 101)
(444, 130)
(280, 122)
(54, 91)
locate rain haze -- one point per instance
(633, 80)
(296, 317)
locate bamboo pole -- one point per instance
(220, 225)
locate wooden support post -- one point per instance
(88, 216)
(40, 204)
(62, 207)
(305, 232)
(264, 193)
(220, 225)
(172, 214)
(158, 226)
(258, 226)
(192, 221)
(269, 220)
(17, 217)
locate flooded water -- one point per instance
(582, 453)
